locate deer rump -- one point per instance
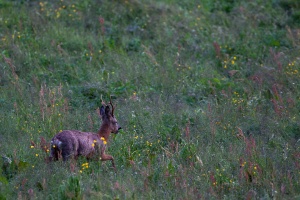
(72, 143)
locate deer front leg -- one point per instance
(106, 157)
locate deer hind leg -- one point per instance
(55, 154)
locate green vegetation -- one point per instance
(207, 93)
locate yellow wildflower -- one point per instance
(103, 139)
(85, 165)
(243, 164)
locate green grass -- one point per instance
(207, 95)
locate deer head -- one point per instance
(109, 122)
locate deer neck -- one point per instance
(104, 132)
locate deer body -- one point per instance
(73, 143)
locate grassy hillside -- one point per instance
(207, 93)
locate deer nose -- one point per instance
(119, 128)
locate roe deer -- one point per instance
(73, 143)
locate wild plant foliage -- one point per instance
(208, 95)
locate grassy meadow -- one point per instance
(207, 94)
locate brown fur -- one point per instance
(73, 143)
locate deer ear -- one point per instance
(107, 111)
(102, 111)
